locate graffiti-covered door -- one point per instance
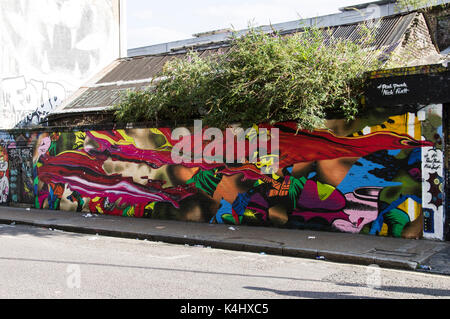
(21, 176)
(4, 176)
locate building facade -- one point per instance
(48, 49)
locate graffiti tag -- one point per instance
(393, 89)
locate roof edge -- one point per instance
(348, 15)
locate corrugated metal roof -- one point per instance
(146, 67)
(137, 72)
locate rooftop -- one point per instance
(144, 64)
(349, 15)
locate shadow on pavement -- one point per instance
(311, 294)
(407, 290)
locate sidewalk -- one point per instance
(422, 255)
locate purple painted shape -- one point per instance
(310, 200)
(330, 216)
(257, 200)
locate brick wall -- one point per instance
(416, 47)
(81, 119)
(439, 24)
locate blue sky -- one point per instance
(152, 22)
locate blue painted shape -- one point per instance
(428, 218)
(394, 152)
(240, 203)
(311, 175)
(359, 176)
(415, 156)
(225, 208)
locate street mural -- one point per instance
(379, 175)
(4, 175)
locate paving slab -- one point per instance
(423, 255)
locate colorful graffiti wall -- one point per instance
(381, 174)
(4, 176)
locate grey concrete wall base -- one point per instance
(300, 253)
(347, 257)
(395, 263)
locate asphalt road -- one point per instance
(43, 263)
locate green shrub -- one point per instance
(262, 78)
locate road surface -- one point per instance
(44, 263)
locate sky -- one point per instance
(152, 22)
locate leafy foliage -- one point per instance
(415, 4)
(262, 78)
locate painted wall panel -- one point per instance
(4, 176)
(433, 174)
(48, 49)
(380, 174)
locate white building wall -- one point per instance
(49, 48)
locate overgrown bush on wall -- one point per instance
(415, 4)
(264, 77)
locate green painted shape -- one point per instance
(206, 180)
(396, 219)
(295, 189)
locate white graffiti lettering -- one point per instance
(28, 102)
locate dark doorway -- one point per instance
(21, 191)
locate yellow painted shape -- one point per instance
(95, 200)
(79, 138)
(384, 230)
(324, 190)
(253, 133)
(127, 140)
(417, 129)
(417, 209)
(249, 213)
(400, 125)
(99, 209)
(80, 153)
(266, 160)
(404, 207)
(166, 144)
(130, 212)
